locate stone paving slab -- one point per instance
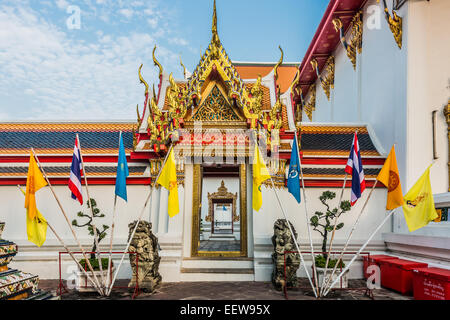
(225, 291)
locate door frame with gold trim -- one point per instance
(196, 212)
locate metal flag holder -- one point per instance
(63, 289)
(367, 291)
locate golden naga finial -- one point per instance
(278, 64)
(295, 82)
(157, 63)
(142, 80)
(184, 68)
(154, 92)
(138, 115)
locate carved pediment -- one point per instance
(216, 108)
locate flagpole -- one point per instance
(112, 232)
(137, 224)
(68, 222)
(108, 276)
(67, 249)
(99, 258)
(316, 281)
(360, 250)
(290, 228)
(350, 235)
(332, 235)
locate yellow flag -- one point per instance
(168, 179)
(390, 177)
(260, 174)
(35, 181)
(419, 203)
(36, 228)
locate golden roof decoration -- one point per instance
(156, 62)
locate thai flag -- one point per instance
(354, 167)
(75, 173)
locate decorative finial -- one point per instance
(156, 62)
(215, 35)
(278, 64)
(184, 68)
(142, 80)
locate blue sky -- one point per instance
(49, 71)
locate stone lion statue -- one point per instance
(146, 245)
(282, 241)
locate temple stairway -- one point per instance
(217, 269)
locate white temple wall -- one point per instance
(428, 74)
(374, 93)
(264, 220)
(396, 91)
(44, 261)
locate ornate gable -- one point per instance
(216, 108)
(215, 95)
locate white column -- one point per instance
(163, 225)
(154, 209)
(249, 195)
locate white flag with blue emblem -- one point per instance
(293, 182)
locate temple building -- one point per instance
(370, 68)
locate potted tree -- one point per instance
(323, 223)
(83, 285)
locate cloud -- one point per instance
(62, 4)
(178, 41)
(64, 77)
(128, 13)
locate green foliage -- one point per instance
(321, 261)
(323, 222)
(95, 264)
(89, 224)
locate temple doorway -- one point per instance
(219, 227)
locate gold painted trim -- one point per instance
(195, 237)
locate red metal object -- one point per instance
(63, 289)
(431, 284)
(368, 291)
(374, 260)
(396, 274)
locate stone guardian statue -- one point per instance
(146, 245)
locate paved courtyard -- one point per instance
(226, 291)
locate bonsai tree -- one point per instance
(323, 223)
(100, 234)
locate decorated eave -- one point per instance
(341, 23)
(53, 143)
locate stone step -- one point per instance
(217, 274)
(217, 263)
